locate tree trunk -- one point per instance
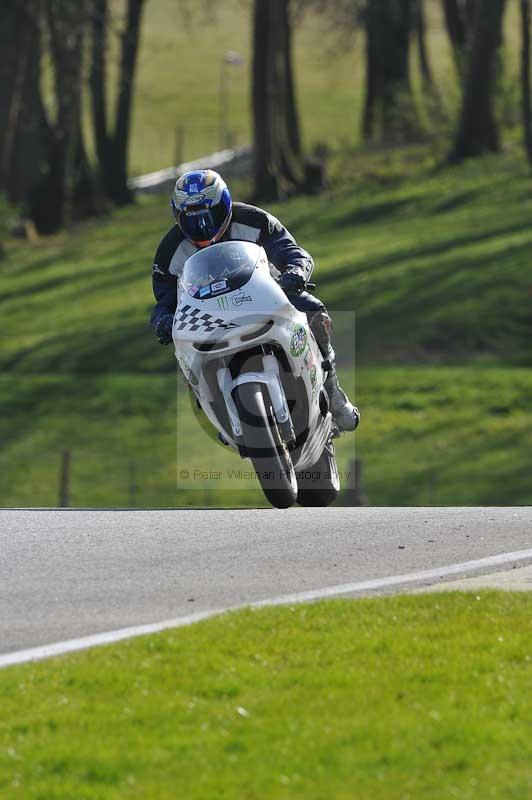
(478, 132)
(292, 116)
(456, 29)
(119, 191)
(433, 98)
(525, 77)
(389, 114)
(112, 144)
(54, 200)
(65, 191)
(20, 148)
(424, 64)
(264, 134)
(369, 122)
(279, 166)
(98, 79)
(460, 16)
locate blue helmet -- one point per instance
(202, 206)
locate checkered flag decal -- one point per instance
(191, 319)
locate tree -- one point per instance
(389, 114)
(279, 165)
(477, 130)
(66, 25)
(420, 28)
(20, 112)
(525, 77)
(459, 19)
(112, 145)
(432, 95)
(43, 166)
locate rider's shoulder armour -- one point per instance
(166, 250)
(252, 224)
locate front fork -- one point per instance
(271, 379)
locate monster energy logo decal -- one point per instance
(223, 303)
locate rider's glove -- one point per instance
(163, 329)
(292, 281)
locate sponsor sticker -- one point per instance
(309, 358)
(223, 303)
(204, 290)
(192, 291)
(190, 202)
(217, 286)
(298, 341)
(313, 378)
(238, 299)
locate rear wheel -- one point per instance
(263, 445)
(319, 485)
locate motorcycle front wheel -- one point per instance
(264, 446)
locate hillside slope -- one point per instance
(435, 267)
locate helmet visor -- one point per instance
(202, 223)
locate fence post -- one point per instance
(64, 480)
(132, 485)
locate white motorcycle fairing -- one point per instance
(225, 337)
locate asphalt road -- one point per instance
(66, 574)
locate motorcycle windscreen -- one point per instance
(219, 268)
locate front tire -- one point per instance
(263, 445)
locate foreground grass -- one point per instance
(313, 702)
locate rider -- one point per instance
(205, 214)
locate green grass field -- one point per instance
(435, 267)
(312, 702)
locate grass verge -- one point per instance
(313, 702)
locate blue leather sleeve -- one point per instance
(164, 284)
(165, 293)
(283, 251)
(281, 248)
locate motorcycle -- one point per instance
(257, 372)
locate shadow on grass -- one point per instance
(460, 305)
(128, 347)
(439, 248)
(83, 281)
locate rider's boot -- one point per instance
(344, 413)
